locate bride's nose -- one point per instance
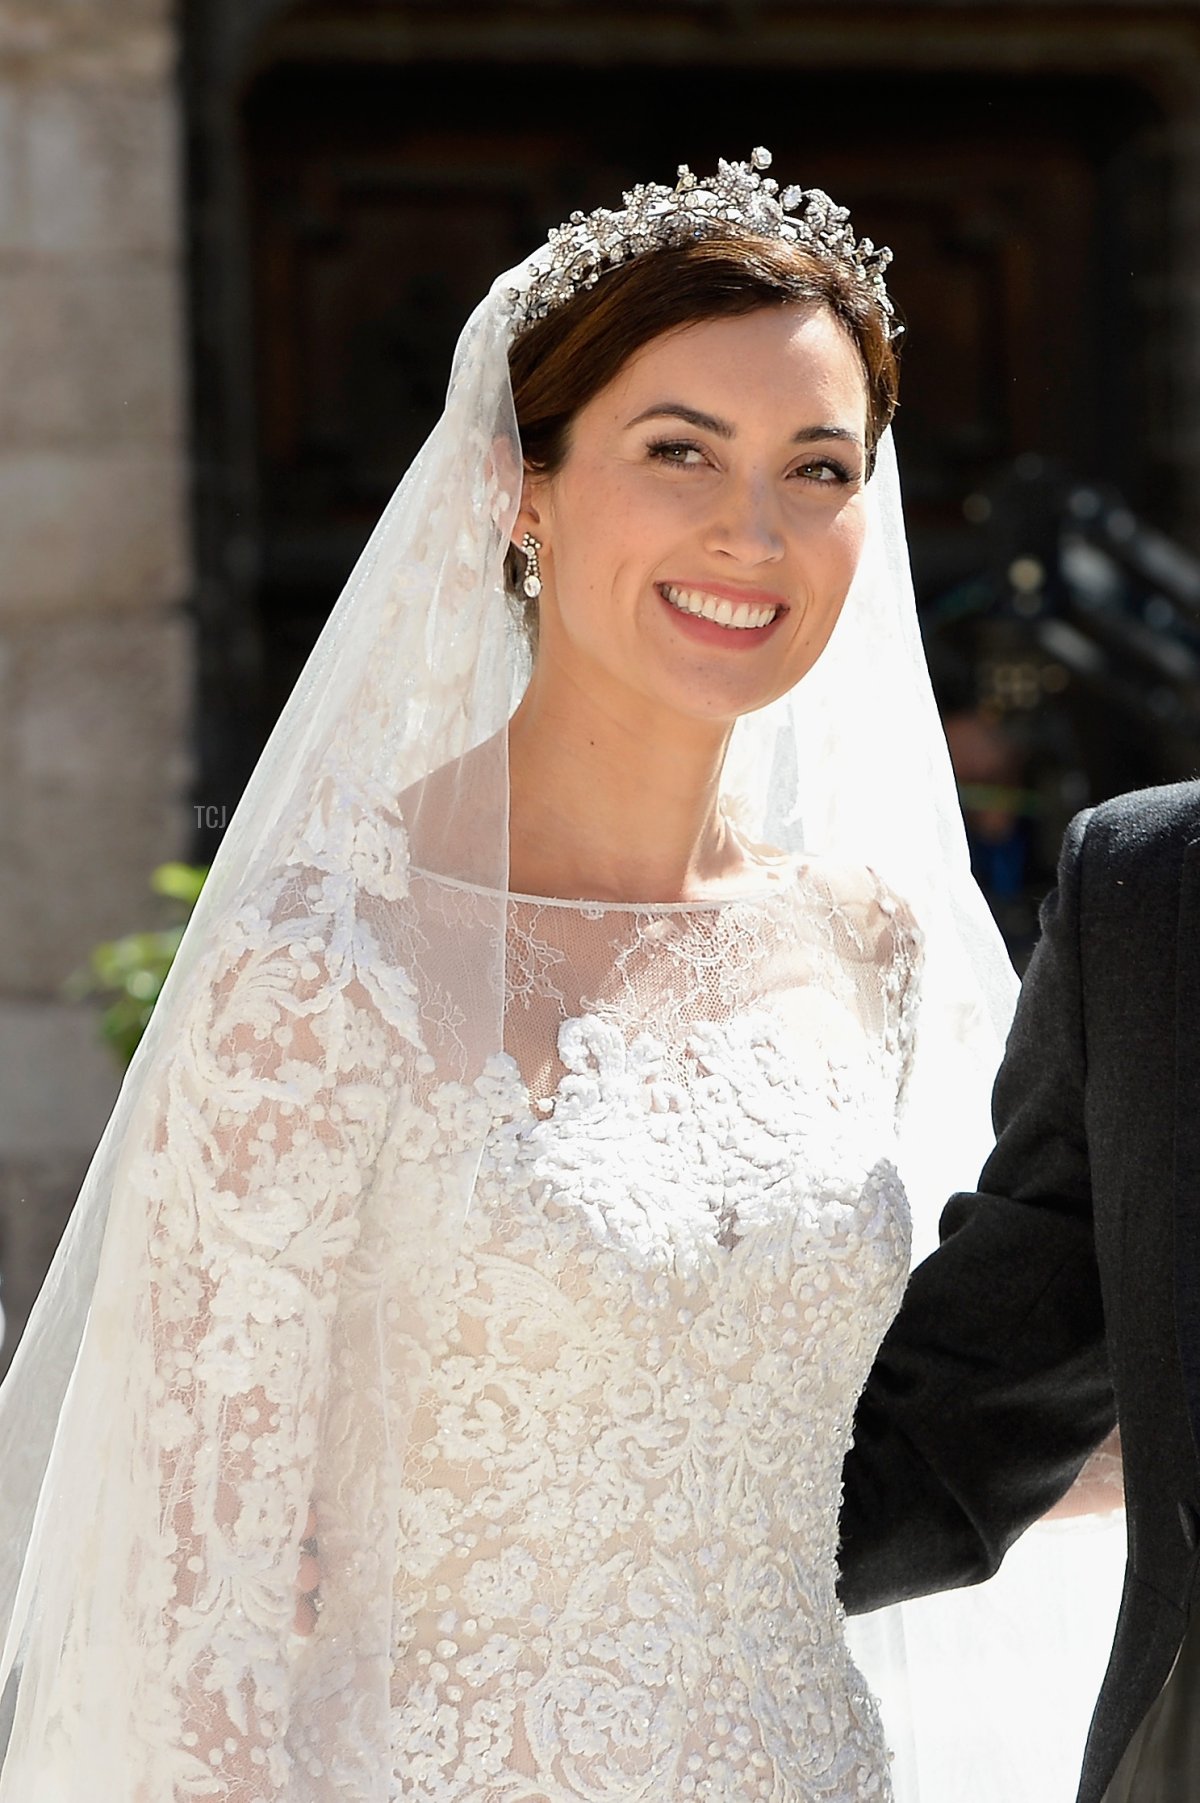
(745, 523)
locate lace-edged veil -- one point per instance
(250, 1185)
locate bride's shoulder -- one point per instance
(874, 922)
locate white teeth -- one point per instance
(724, 613)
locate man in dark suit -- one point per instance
(1068, 1281)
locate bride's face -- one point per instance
(701, 535)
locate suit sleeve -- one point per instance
(992, 1385)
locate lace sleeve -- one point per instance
(881, 949)
(908, 966)
(240, 1206)
(891, 943)
(272, 1124)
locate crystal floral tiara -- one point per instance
(740, 195)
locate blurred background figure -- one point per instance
(237, 241)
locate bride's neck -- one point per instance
(619, 805)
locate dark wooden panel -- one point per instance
(347, 214)
(385, 201)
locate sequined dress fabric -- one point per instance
(640, 1363)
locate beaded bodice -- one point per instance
(620, 1497)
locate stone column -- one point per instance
(94, 648)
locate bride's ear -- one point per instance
(531, 511)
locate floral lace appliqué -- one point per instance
(622, 1486)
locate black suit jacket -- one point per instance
(1071, 1276)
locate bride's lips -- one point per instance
(742, 601)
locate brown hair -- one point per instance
(561, 362)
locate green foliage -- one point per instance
(130, 971)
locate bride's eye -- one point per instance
(824, 470)
(677, 453)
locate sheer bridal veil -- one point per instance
(222, 1333)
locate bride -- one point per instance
(504, 1206)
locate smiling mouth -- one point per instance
(738, 616)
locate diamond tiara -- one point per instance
(740, 196)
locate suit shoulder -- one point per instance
(1145, 821)
(1144, 830)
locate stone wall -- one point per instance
(94, 650)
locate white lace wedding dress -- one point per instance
(576, 1459)
(619, 1513)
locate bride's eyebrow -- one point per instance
(811, 434)
(720, 428)
(706, 422)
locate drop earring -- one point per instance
(532, 584)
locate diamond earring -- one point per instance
(533, 575)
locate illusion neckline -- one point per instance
(784, 876)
